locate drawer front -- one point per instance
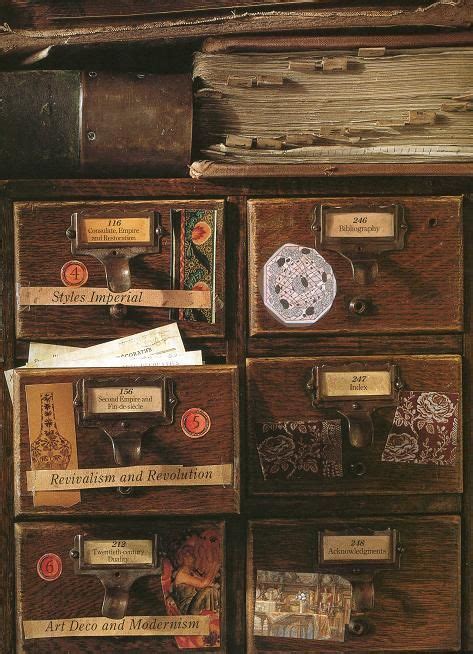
(167, 438)
(80, 258)
(301, 443)
(409, 604)
(409, 279)
(63, 606)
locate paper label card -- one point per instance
(115, 231)
(355, 383)
(118, 552)
(359, 224)
(348, 548)
(139, 625)
(132, 399)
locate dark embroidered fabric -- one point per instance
(424, 430)
(300, 449)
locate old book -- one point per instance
(376, 105)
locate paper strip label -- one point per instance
(139, 625)
(118, 552)
(119, 231)
(355, 383)
(136, 399)
(359, 224)
(172, 475)
(378, 547)
(71, 297)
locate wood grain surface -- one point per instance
(73, 596)
(418, 289)
(45, 224)
(237, 347)
(416, 608)
(211, 388)
(277, 391)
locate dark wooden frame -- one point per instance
(235, 350)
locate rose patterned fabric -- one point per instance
(300, 449)
(424, 430)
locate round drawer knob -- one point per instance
(359, 306)
(358, 469)
(125, 490)
(118, 311)
(357, 627)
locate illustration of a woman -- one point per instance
(193, 591)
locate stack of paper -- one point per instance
(411, 105)
(162, 346)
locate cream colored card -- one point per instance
(86, 296)
(158, 341)
(131, 476)
(140, 625)
(40, 351)
(52, 436)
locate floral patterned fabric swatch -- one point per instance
(195, 238)
(300, 449)
(424, 430)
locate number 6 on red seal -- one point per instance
(195, 423)
(49, 567)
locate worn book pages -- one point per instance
(371, 105)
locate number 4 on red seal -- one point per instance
(74, 273)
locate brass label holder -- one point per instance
(358, 555)
(116, 578)
(115, 237)
(356, 390)
(361, 234)
(118, 407)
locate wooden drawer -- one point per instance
(59, 572)
(298, 446)
(175, 452)
(184, 251)
(416, 598)
(418, 286)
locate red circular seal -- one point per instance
(74, 273)
(195, 423)
(49, 567)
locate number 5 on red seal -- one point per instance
(195, 423)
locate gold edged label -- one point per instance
(354, 548)
(140, 625)
(131, 399)
(118, 552)
(359, 224)
(121, 231)
(364, 383)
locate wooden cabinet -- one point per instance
(284, 406)
(168, 437)
(89, 257)
(383, 284)
(410, 609)
(81, 585)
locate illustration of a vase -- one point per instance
(50, 450)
